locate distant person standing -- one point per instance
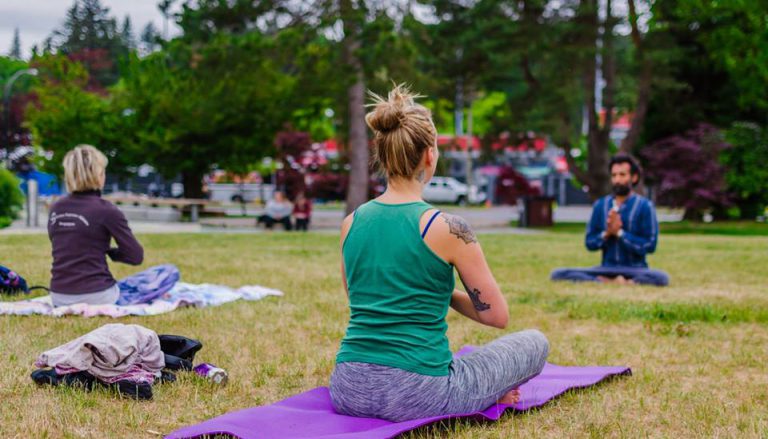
(302, 212)
(81, 226)
(278, 210)
(624, 226)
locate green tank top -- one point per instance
(399, 291)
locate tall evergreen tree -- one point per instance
(16, 45)
(149, 39)
(91, 36)
(126, 34)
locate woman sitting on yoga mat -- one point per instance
(398, 255)
(81, 226)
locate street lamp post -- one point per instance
(31, 204)
(7, 102)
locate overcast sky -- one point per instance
(36, 19)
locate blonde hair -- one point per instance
(83, 167)
(402, 129)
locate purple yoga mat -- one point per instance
(310, 414)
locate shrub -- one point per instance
(11, 197)
(687, 171)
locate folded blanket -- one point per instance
(181, 295)
(147, 285)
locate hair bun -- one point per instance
(388, 114)
(386, 117)
(403, 132)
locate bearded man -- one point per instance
(623, 225)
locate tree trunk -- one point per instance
(193, 184)
(357, 192)
(598, 158)
(597, 138)
(643, 87)
(641, 108)
(608, 66)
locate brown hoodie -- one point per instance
(81, 226)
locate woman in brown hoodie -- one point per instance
(81, 226)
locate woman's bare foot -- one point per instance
(512, 397)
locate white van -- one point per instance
(450, 190)
(240, 192)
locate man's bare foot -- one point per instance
(621, 280)
(512, 397)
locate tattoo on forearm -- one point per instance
(460, 228)
(474, 295)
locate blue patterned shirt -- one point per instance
(639, 237)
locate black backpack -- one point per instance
(12, 282)
(179, 351)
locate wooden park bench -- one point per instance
(194, 205)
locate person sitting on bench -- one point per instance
(278, 210)
(624, 227)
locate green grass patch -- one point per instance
(726, 228)
(682, 341)
(623, 310)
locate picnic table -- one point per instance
(193, 204)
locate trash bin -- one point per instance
(535, 211)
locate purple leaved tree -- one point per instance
(291, 145)
(686, 171)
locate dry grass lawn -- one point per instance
(698, 349)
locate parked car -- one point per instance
(450, 190)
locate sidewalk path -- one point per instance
(497, 219)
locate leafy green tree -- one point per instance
(253, 66)
(197, 106)
(587, 37)
(375, 50)
(348, 46)
(716, 73)
(542, 56)
(716, 68)
(747, 174)
(12, 130)
(66, 114)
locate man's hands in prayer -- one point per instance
(614, 224)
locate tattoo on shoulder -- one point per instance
(459, 227)
(474, 295)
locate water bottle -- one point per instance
(213, 373)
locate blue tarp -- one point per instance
(47, 184)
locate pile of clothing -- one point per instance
(127, 358)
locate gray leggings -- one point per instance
(475, 381)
